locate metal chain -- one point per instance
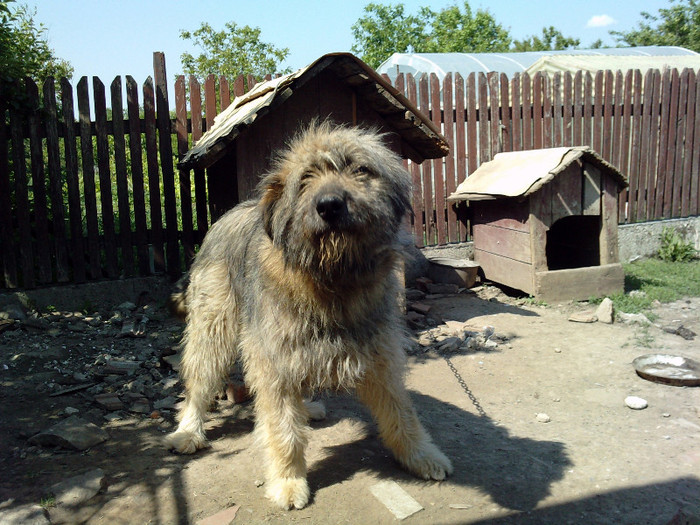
(464, 386)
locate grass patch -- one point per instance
(662, 281)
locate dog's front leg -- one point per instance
(383, 391)
(282, 426)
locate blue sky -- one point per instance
(117, 37)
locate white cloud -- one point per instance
(600, 21)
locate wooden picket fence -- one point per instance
(646, 125)
(97, 194)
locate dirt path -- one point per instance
(594, 461)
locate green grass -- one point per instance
(661, 281)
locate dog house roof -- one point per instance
(521, 173)
(400, 114)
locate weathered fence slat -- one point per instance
(526, 100)
(428, 205)
(165, 149)
(689, 140)
(7, 254)
(438, 177)
(670, 156)
(139, 197)
(483, 99)
(89, 189)
(568, 110)
(419, 228)
(105, 176)
(516, 114)
(77, 252)
(154, 203)
(41, 218)
(537, 111)
(636, 146)
(646, 119)
(460, 144)
(695, 150)
(450, 181)
(60, 247)
(26, 248)
(200, 183)
(127, 252)
(184, 175)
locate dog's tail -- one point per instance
(177, 303)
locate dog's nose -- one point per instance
(331, 207)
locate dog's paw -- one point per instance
(289, 493)
(428, 462)
(316, 409)
(185, 442)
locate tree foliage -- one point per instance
(463, 31)
(551, 39)
(388, 29)
(678, 25)
(235, 50)
(25, 50)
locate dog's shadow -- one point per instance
(516, 472)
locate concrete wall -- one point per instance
(642, 239)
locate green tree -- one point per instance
(387, 29)
(551, 39)
(235, 50)
(678, 25)
(25, 50)
(454, 30)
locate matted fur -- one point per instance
(301, 285)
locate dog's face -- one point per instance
(335, 200)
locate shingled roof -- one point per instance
(398, 112)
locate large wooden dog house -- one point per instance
(240, 146)
(545, 222)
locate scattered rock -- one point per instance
(24, 515)
(109, 401)
(78, 489)
(394, 498)
(72, 433)
(223, 517)
(636, 403)
(14, 312)
(542, 418)
(421, 308)
(633, 318)
(604, 312)
(681, 330)
(461, 506)
(583, 317)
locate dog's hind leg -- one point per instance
(208, 355)
(383, 391)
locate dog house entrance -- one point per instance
(574, 242)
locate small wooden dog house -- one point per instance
(239, 147)
(545, 222)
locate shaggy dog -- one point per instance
(301, 285)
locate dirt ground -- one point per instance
(594, 461)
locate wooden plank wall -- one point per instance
(90, 189)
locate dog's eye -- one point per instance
(363, 171)
(305, 177)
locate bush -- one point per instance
(674, 248)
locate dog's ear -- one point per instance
(272, 189)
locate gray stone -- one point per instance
(636, 403)
(78, 489)
(24, 515)
(73, 433)
(633, 318)
(583, 317)
(13, 311)
(604, 312)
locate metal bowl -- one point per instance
(668, 369)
